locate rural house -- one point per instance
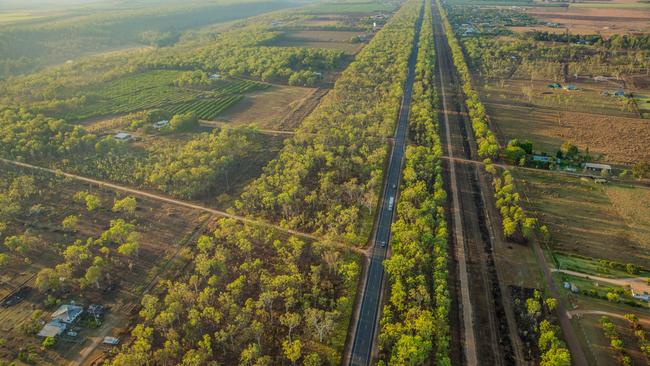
(61, 318)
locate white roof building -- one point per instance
(123, 136)
(160, 124)
(52, 329)
(594, 166)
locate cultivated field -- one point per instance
(548, 118)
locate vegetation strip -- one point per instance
(415, 321)
(327, 178)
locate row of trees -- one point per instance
(644, 343)
(250, 52)
(326, 178)
(252, 297)
(415, 324)
(488, 147)
(615, 341)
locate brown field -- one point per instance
(583, 117)
(585, 218)
(605, 21)
(267, 109)
(599, 350)
(165, 229)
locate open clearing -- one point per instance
(585, 218)
(603, 19)
(583, 117)
(268, 108)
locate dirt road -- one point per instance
(195, 206)
(638, 284)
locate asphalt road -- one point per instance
(367, 322)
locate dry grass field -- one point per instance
(588, 219)
(604, 19)
(583, 117)
(268, 108)
(599, 351)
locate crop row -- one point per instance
(205, 108)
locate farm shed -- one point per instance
(542, 158)
(123, 136)
(160, 124)
(598, 167)
(619, 93)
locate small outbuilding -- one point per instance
(619, 93)
(598, 167)
(111, 341)
(571, 87)
(641, 296)
(52, 329)
(123, 136)
(161, 124)
(554, 86)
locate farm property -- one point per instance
(589, 219)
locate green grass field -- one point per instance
(11, 18)
(592, 267)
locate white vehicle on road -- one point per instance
(391, 203)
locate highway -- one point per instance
(367, 322)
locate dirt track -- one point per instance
(481, 339)
(178, 202)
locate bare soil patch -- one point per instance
(267, 109)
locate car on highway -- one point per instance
(383, 243)
(391, 203)
(394, 186)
